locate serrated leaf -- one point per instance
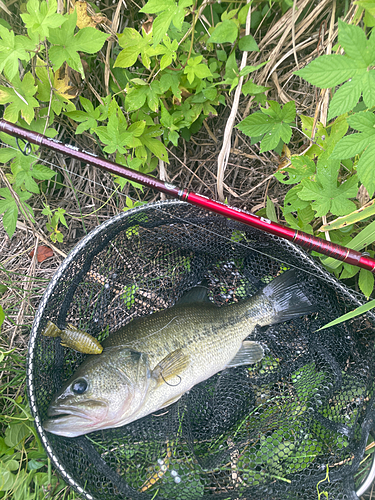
(42, 17)
(353, 39)
(224, 32)
(273, 122)
(363, 121)
(365, 168)
(66, 44)
(330, 70)
(11, 50)
(351, 145)
(301, 168)
(162, 23)
(324, 192)
(368, 84)
(20, 98)
(345, 98)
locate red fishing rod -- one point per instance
(305, 240)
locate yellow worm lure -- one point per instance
(74, 338)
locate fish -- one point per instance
(74, 338)
(152, 361)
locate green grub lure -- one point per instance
(74, 338)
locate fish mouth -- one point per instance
(72, 422)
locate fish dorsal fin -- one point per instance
(170, 368)
(250, 353)
(196, 294)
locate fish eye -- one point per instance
(79, 386)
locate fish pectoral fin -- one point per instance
(171, 367)
(51, 330)
(170, 401)
(250, 353)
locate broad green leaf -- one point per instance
(353, 39)
(248, 43)
(330, 70)
(11, 50)
(301, 168)
(42, 17)
(66, 44)
(135, 98)
(133, 44)
(156, 6)
(363, 122)
(224, 32)
(251, 88)
(368, 83)
(346, 97)
(272, 123)
(351, 145)
(365, 167)
(326, 195)
(154, 145)
(20, 99)
(366, 282)
(350, 315)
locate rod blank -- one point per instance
(307, 241)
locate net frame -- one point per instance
(169, 209)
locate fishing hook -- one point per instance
(27, 149)
(171, 385)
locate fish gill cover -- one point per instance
(293, 426)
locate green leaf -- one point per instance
(270, 210)
(353, 39)
(225, 31)
(251, 88)
(301, 168)
(351, 145)
(326, 195)
(194, 68)
(330, 70)
(20, 98)
(2, 316)
(365, 168)
(272, 123)
(12, 48)
(366, 282)
(154, 145)
(66, 44)
(368, 84)
(346, 97)
(350, 315)
(155, 6)
(42, 17)
(133, 44)
(248, 43)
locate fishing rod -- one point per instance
(307, 241)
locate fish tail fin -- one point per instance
(288, 297)
(51, 330)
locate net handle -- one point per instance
(307, 241)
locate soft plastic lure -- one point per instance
(74, 338)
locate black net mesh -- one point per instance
(275, 430)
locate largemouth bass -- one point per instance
(151, 362)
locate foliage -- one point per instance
(327, 175)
